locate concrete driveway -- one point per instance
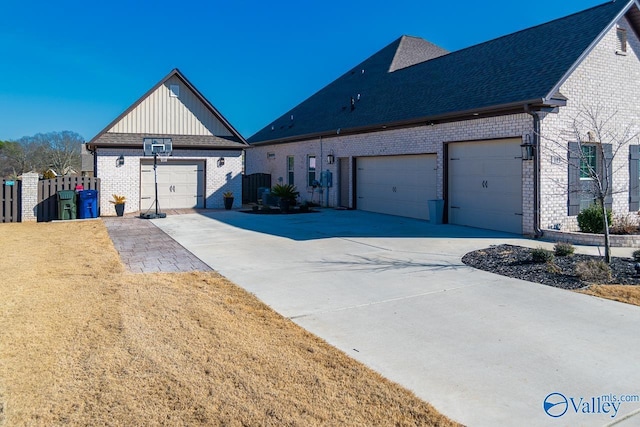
(392, 293)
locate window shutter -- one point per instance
(574, 179)
(634, 176)
(608, 160)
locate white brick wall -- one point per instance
(125, 180)
(606, 80)
(29, 196)
(416, 140)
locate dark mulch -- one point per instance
(276, 211)
(515, 261)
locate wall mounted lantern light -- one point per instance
(221, 162)
(331, 158)
(528, 149)
(120, 161)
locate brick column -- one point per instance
(29, 196)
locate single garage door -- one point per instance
(485, 184)
(180, 184)
(396, 185)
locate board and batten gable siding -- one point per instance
(606, 80)
(125, 180)
(163, 114)
(413, 140)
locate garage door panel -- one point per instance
(180, 185)
(485, 184)
(396, 185)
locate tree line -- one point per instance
(59, 151)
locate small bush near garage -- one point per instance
(623, 224)
(593, 271)
(636, 255)
(591, 220)
(563, 249)
(540, 255)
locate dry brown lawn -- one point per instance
(83, 342)
(623, 293)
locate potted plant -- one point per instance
(287, 195)
(118, 202)
(228, 200)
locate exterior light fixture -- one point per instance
(120, 161)
(331, 158)
(221, 162)
(528, 150)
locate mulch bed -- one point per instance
(515, 261)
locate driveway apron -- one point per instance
(392, 292)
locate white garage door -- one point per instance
(396, 185)
(180, 185)
(485, 184)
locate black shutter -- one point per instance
(608, 161)
(574, 179)
(634, 176)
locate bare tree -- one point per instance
(59, 151)
(63, 150)
(597, 140)
(18, 157)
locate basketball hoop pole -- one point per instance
(155, 178)
(158, 214)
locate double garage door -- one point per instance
(396, 185)
(484, 184)
(180, 184)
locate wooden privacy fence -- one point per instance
(250, 185)
(10, 210)
(47, 189)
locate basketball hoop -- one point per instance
(163, 156)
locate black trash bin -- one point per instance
(88, 204)
(66, 204)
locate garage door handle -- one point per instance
(145, 198)
(519, 214)
(455, 207)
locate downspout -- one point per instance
(536, 172)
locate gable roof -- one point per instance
(235, 140)
(523, 68)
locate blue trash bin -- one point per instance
(88, 204)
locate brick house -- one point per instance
(205, 160)
(414, 123)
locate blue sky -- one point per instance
(71, 65)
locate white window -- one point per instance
(622, 41)
(311, 170)
(290, 176)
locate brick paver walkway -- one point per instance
(144, 248)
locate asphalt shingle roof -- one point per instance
(519, 67)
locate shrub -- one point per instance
(553, 268)
(593, 271)
(623, 224)
(563, 249)
(590, 220)
(540, 255)
(285, 191)
(636, 255)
